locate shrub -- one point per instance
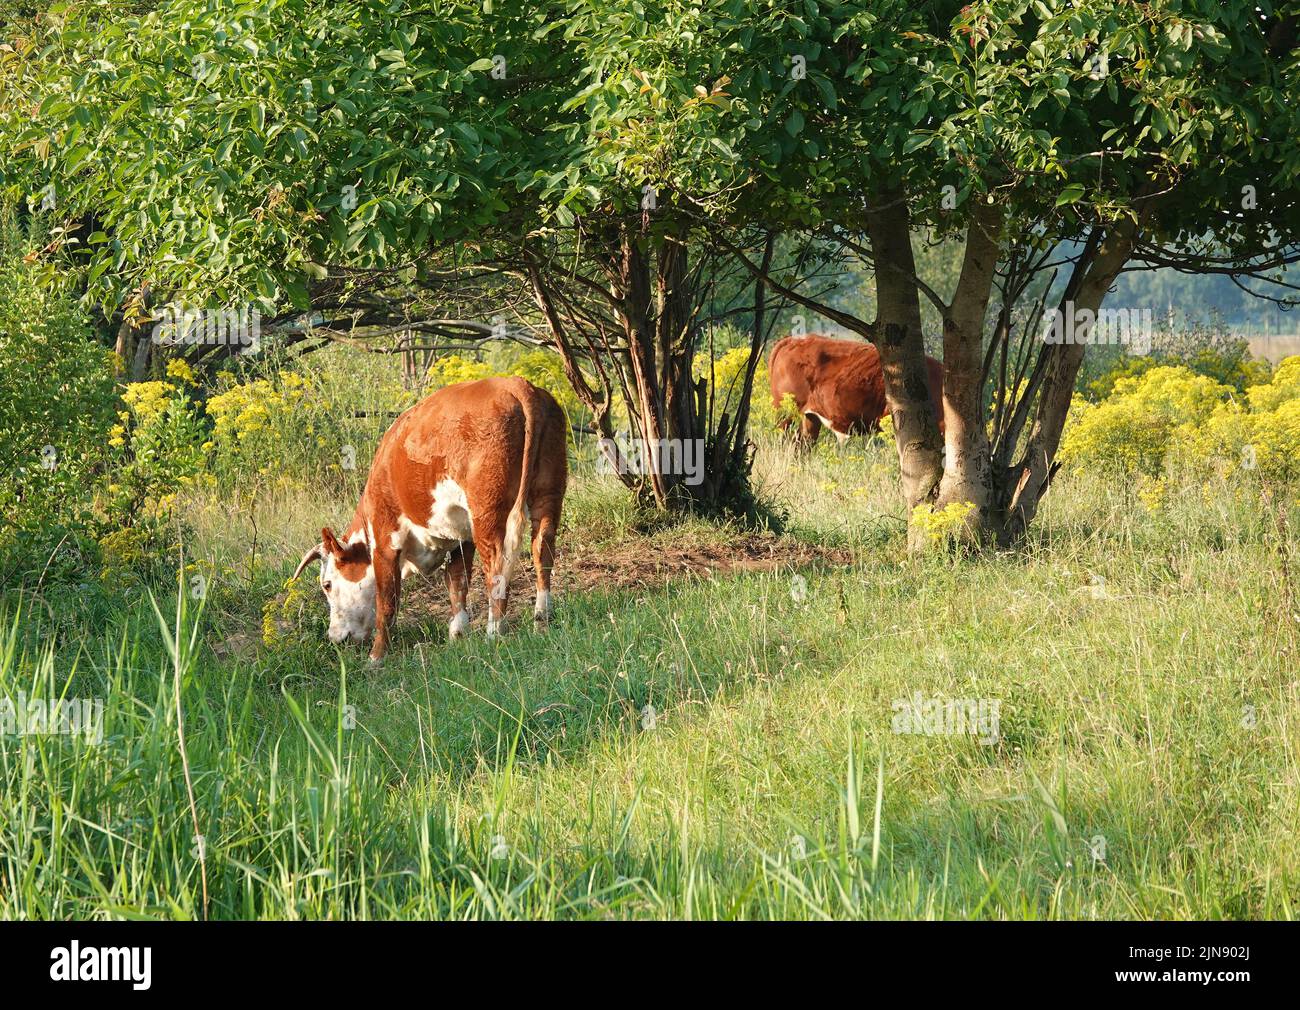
(727, 375)
(1132, 430)
(451, 369)
(539, 366)
(56, 408)
(1283, 386)
(265, 425)
(1263, 437)
(1214, 355)
(942, 526)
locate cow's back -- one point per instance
(471, 433)
(841, 382)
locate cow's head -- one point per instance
(347, 578)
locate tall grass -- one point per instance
(724, 749)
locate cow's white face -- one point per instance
(351, 600)
(347, 578)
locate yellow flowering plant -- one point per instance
(943, 525)
(158, 439)
(1133, 429)
(541, 367)
(727, 373)
(274, 425)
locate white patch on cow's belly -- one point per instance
(425, 548)
(843, 436)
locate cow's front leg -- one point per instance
(809, 428)
(388, 593)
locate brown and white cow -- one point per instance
(837, 383)
(463, 470)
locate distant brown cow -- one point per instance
(467, 468)
(837, 383)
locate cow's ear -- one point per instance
(329, 541)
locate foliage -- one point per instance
(160, 436)
(726, 377)
(942, 525)
(1283, 386)
(56, 407)
(231, 152)
(1226, 361)
(269, 425)
(1260, 436)
(452, 369)
(541, 367)
(1134, 428)
(1164, 412)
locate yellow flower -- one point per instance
(179, 368)
(1151, 492)
(941, 524)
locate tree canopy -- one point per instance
(303, 155)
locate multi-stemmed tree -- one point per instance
(601, 170)
(1095, 134)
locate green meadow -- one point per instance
(695, 745)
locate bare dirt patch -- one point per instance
(641, 563)
(650, 563)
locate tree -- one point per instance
(1083, 135)
(602, 173)
(368, 165)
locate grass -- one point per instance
(722, 748)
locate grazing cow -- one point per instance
(462, 470)
(837, 383)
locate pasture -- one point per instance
(692, 739)
(1016, 639)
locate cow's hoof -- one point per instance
(542, 610)
(376, 661)
(458, 627)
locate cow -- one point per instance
(462, 471)
(837, 383)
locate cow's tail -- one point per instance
(518, 519)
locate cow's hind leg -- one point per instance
(544, 522)
(496, 578)
(545, 499)
(459, 571)
(543, 562)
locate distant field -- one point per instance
(1274, 347)
(687, 744)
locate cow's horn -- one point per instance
(312, 555)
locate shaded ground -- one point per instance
(649, 563)
(639, 563)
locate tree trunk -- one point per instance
(968, 471)
(898, 338)
(648, 297)
(638, 327)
